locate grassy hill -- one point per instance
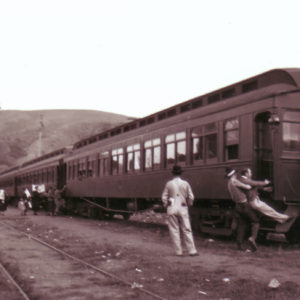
(19, 131)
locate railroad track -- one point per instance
(80, 262)
(18, 290)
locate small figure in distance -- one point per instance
(59, 199)
(3, 204)
(36, 199)
(177, 196)
(50, 201)
(24, 203)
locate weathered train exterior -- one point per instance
(254, 123)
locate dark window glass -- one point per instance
(231, 139)
(117, 161)
(176, 148)
(211, 146)
(291, 136)
(250, 86)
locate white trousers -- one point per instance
(178, 219)
(267, 210)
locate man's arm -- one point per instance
(165, 196)
(241, 185)
(190, 196)
(253, 183)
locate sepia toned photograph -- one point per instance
(149, 150)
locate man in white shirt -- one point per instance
(177, 196)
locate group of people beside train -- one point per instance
(3, 203)
(50, 199)
(177, 196)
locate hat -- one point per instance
(229, 172)
(176, 170)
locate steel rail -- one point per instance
(11, 279)
(119, 279)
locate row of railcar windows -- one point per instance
(42, 176)
(150, 155)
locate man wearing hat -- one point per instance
(177, 196)
(243, 209)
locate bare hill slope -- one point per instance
(20, 130)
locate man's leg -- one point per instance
(241, 225)
(268, 210)
(253, 218)
(186, 229)
(241, 229)
(175, 233)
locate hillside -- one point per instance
(20, 130)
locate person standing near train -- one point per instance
(3, 204)
(244, 211)
(36, 199)
(24, 203)
(50, 201)
(177, 196)
(58, 199)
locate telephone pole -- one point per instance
(40, 150)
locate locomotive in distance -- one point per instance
(253, 123)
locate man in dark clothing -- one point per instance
(243, 210)
(59, 199)
(36, 199)
(50, 201)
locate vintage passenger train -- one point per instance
(253, 123)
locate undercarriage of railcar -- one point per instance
(100, 208)
(218, 217)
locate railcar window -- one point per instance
(231, 139)
(74, 170)
(103, 164)
(69, 171)
(175, 148)
(204, 143)
(152, 154)
(133, 158)
(211, 146)
(117, 161)
(291, 131)
(90, 168)
(82, 168)
(197, 144)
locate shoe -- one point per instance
(194, 254)
(179, 254)
(239, 247)
(252, 243)
(289, 219)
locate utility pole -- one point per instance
(40, 136)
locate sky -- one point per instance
(137, 57)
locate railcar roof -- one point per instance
(281, 78)
(288, 76)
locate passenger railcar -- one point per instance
(8, 182)
(253, 123)
(48, 169)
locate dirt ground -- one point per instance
(142, 254)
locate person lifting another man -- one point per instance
(244, 192)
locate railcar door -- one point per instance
(264, 158)
(61, 174)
